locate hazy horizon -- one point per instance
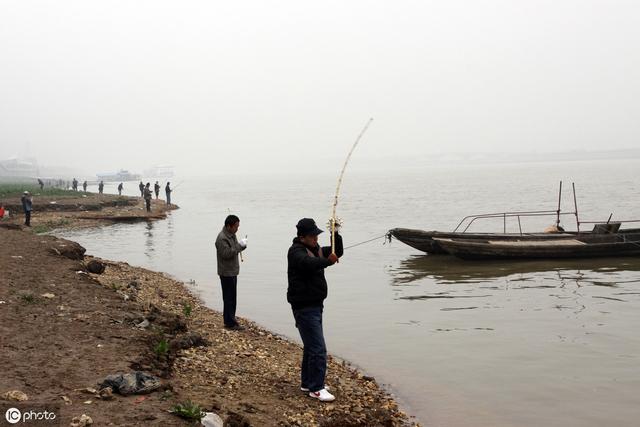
(214, 87)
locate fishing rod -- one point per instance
(246, 236)
(335, 199)
(178, 185)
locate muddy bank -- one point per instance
(64, 329)
(52, 212)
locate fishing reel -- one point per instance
(338, 223)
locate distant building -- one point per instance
(19, 168)
(121, 175)
(159, 172)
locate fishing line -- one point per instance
(366, 241)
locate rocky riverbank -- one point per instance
(84, 210)
(64, 329)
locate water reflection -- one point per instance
(450, 270)
(149, 245)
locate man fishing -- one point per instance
(306, 293)
(147, 196)
(168, 190)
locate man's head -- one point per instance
(308, 232)
(232, 223)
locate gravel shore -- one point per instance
(64, 329)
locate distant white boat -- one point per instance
(19, 168)
(159, 171)
(120, 176)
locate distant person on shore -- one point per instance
(101, 187)
(27, 207)
(120, 187)
(84, 186)
(147, 196)
(74, 184)
(227, 250)
(168, 191)
(41, 184)
(156, 189)
(141, 187)
(2, 212)
(306, 292)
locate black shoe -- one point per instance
(235, 327)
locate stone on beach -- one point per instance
(15, 396)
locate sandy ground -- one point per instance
(63, 330)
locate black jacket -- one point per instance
(307, 285)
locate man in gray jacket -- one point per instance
(228, 248)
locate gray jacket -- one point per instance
(227, 249)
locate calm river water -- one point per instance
(542, 343)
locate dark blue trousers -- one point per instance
(229, 294)
(314, 354)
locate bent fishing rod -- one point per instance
(333, 219)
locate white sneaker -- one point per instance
(306, 390)
(323, 395)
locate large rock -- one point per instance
(68, 249)
(95, 266)
(237, 420)
(187, 341)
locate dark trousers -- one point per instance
(148, 203)
(27, 218)
(168, 198)
(229, 294)
(314, 353)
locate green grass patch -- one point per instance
(16, 190)
(29, 298)
(50, 225)
(41, 228)
(162, 348)
(188, 410)
(186, 309)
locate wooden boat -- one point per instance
(605, 240)
(429, 241)
(581, 245)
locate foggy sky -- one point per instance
(217, 86)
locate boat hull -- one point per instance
(426, 241)
(586, 246)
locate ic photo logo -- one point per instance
(13, 415)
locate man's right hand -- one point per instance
(333, 258)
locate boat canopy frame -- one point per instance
(470, 219)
